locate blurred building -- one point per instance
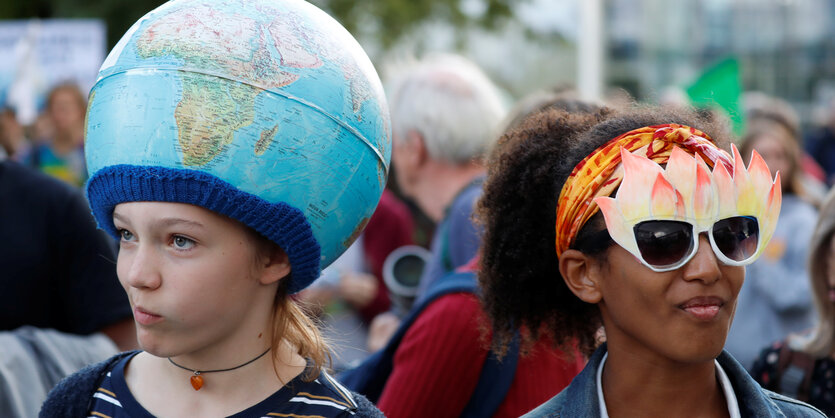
(785, 48)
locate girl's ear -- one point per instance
(581, 274)
(275, 267)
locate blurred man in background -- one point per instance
(444, 113)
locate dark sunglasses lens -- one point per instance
(737, 237)
(664, 243)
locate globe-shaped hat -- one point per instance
(266, 111)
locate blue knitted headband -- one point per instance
(278, 222)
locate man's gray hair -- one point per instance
(450, 102)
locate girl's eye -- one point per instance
(125, 235)
(182, 243)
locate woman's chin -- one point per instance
(700, 351)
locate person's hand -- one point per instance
(358, 289)
(381, 329)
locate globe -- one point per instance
(273, 97)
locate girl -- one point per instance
(776, 299)
(220, 172)
(659, 266)
(803, 366)
(220, 334)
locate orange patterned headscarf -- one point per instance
(600, 173)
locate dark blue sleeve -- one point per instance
(71, 397)
(365, 408)
(456, 240)
(58, 270)
(93, 297)
(464, 236)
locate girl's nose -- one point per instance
(138, 268)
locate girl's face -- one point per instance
(773, 151)
(682, 315)
(191, 275)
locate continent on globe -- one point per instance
(244, 52)
(209, 114)
(293, 54)
(288, 40)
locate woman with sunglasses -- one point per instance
(642, 225)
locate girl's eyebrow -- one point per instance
(165, 222)
(119, 218)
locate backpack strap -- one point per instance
(446, 257)
(794, 371)
(494, 382)
(370, 377)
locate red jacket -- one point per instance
(437, 365)
(390, 227)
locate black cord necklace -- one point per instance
(197, 379)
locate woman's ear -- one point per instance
(581, 274)
(275, 266)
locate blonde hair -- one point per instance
(292, 324)
(822, 341)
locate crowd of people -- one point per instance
(587, 259)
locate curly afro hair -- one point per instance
(519, 270)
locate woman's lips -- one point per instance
(704, 308)
(144, 317)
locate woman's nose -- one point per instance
(704, 265)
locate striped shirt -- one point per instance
(323, 397)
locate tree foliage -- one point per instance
(391, 19)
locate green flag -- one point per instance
(720, 87)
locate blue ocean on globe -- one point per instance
(263, 94)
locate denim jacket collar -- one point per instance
(580, 397)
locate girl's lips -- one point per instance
(703, 308)
(145, 318)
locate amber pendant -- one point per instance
(196, 381)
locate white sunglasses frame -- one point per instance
(695, 247)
